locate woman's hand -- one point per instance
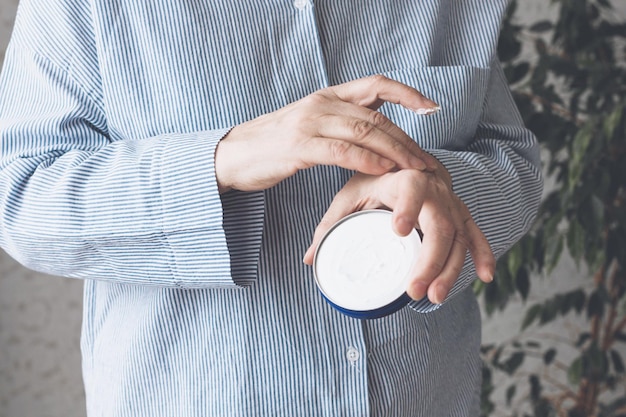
(424, 200)
(338, 125)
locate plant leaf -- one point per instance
(549, 356)
(576, 241)
(531, 315)
(522, 283)
(510, 393)
(618, 364)
(514, 362)
(554, 249)
(541, 26)
(580, 145)
(612, 121)
(575, 371)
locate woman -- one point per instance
(178, 155)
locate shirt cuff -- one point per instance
(214, 239)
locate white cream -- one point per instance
(362, 264)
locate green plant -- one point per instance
(572, 95)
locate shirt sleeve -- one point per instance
(498, 177)
(144, 211)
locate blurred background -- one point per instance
(554, 321)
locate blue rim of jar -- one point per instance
(402, 301)
(377, 313)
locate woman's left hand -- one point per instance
(424, 200)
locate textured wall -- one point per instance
(39, 344)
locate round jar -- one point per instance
(362, 267)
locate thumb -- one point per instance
(346, 202)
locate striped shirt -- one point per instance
(198, 304)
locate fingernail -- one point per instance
(417, 163)
(404, 225)
(427, 111)
(440, 294)
(306, 255)
(417, 291)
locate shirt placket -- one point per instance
(296, 52)
(300, 69)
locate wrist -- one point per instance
(221, 160)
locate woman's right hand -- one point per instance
(338, 125)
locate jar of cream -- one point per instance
(362, 267)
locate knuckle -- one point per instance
(377, 79)
(446, 229)
(410, 177)
(398, 148)
(462, 238)
(339, 150)
(378, 119)
(361, 129)
(434, 268)
(324, 224)
(315, 100)
(457, 268)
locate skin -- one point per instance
(341, 126)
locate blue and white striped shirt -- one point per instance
(198, 304)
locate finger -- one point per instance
(374, 90)
(405, 192)
(482, 255)
(439, 237)
(440, 258)
(406, 210)
(442, 284)
(353, 129)
(326, 151)
(375, 135)
(344, 203)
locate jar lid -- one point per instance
(362, 267)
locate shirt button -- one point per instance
(352, 354)
(301, 4)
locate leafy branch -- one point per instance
(572, 95)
